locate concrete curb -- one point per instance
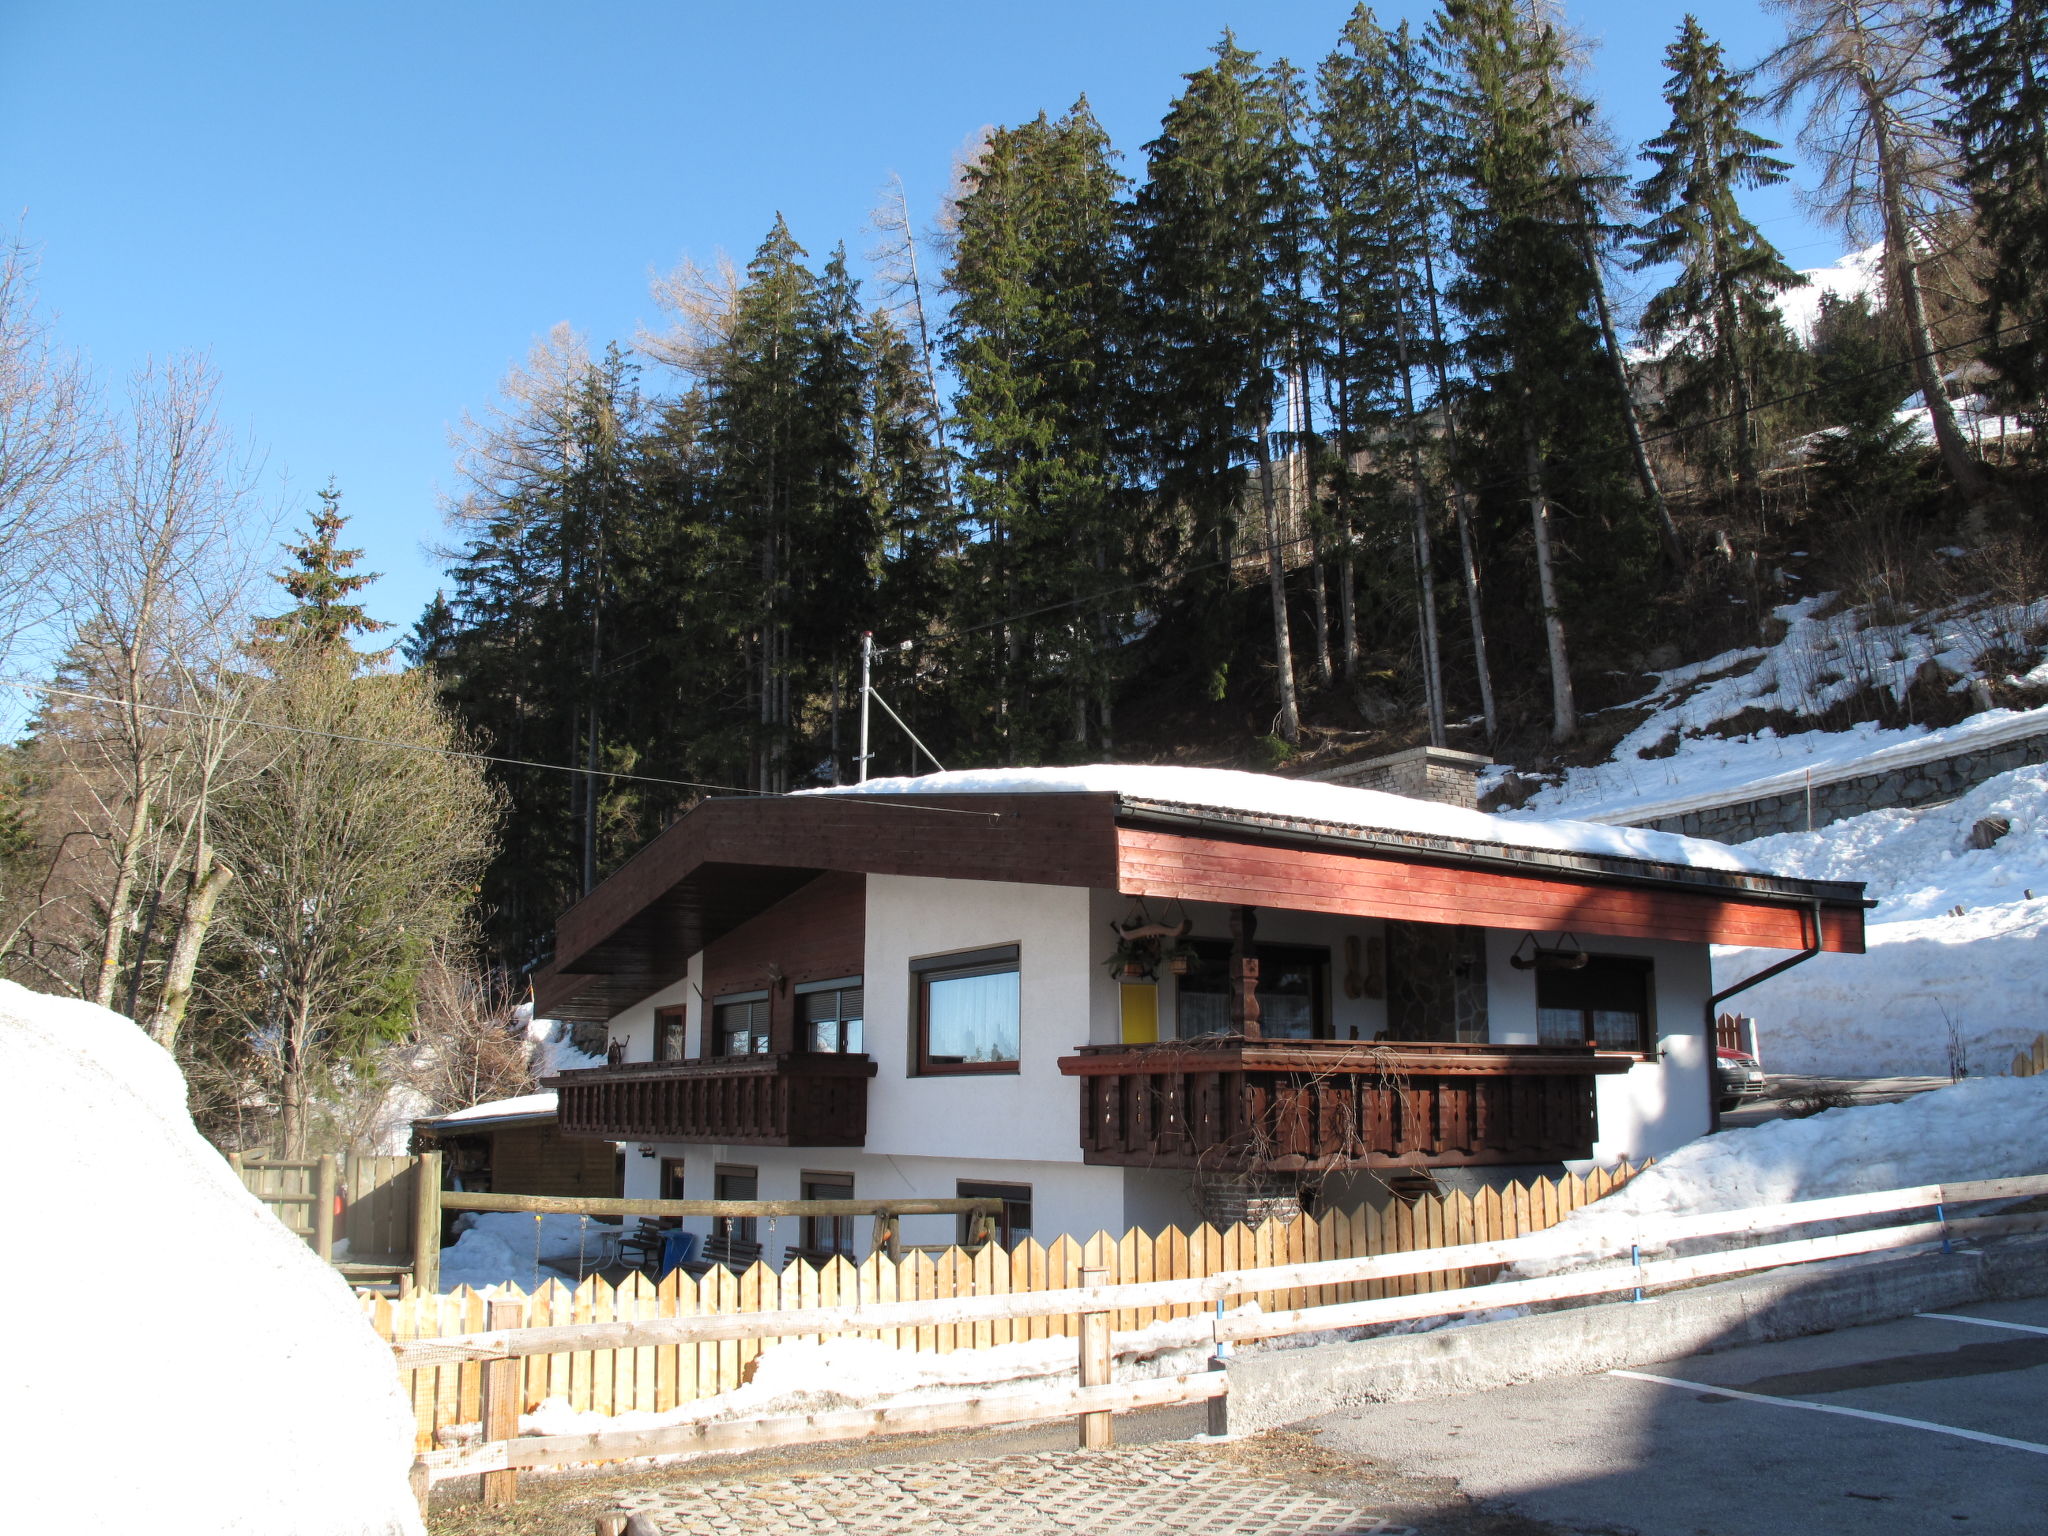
(1276, 1387)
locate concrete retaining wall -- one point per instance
(1276, 1387)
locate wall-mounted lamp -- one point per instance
(647, 1149)
(1531, 955)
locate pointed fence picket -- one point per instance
(655, 1379)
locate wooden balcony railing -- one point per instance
(1303, 1105)
(795, 1100)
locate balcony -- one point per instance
(1320, 1105)
(794, 1100)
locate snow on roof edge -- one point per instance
(1234, 790)
(501, 1109)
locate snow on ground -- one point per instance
(1821, 662)
(511, 1247)
(195, 1371)
(552, 1045)
(1264, 794)
(800, 1377)
(1983, 972)
(1982, 1128)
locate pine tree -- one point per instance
(1718, 312)
(1217, 179)
(1524, 288)
(1038, 341)
(321, 580)
(1997, 58)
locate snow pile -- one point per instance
(247, 1395)
(1262, 794)
(838, 1375)
(1933, 978)
(513, 1248)
(1981, 1129)
(1824, 660)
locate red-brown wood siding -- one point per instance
(1166, 864)
(815, 935)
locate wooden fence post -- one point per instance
(1097, 1433)
(324, 1188)
(501, 1404)
(426, 1225)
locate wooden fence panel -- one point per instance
(664, 1377)
(377, 1216)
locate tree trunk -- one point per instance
(1301, 497)
(1276, 577)
(1962, 465)
(1468, 560)
(1347, 605)
(1564, 711)
(1425, 563)
(209, 879)
(125, 871)
(1646, 473)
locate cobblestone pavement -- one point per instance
(1157, 1490)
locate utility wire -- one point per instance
(52, 690)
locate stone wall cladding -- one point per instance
(1928, 783)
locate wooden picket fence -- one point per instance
(2032, 1062)
(659, 1378)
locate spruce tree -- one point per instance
(321, 581)
(1208, 214)
(1997, 57)
(1717, 314)
(1039, 341)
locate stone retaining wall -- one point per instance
(1927, 783)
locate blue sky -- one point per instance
(366, 212)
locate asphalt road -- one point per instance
(1927, 1424)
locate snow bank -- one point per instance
(512, 1248)
(1984, 972)
(1263, 794)
(206, 1374)
(1980, 1129)
(837, 1375)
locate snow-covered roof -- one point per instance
(526, 1106)
(1339, 805)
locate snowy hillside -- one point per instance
(1981, 972)
(1710, 724)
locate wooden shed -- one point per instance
(514, 1147)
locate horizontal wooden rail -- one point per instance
(751, 1434)
(713, 1327)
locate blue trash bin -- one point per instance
(677, 1249)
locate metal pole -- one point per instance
(867, 656)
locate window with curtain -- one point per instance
(740, 1026)
(1604, 1004)
(671, 1034)
(969, 1011)
(829, 1016)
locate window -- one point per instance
(1605, 1003)
(733, 1182)
(672, 1179)
(1015, 1223)
(968, 1011)
(670, 1034)
(829, 1013)
(828, 1234)
(1290, 992)
(739, 1025)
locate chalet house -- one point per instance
(1132, 996)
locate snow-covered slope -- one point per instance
(193, 1369)
(1987, 1128)
(1981, 973)
(1693, 740)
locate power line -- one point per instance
(395, 743)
